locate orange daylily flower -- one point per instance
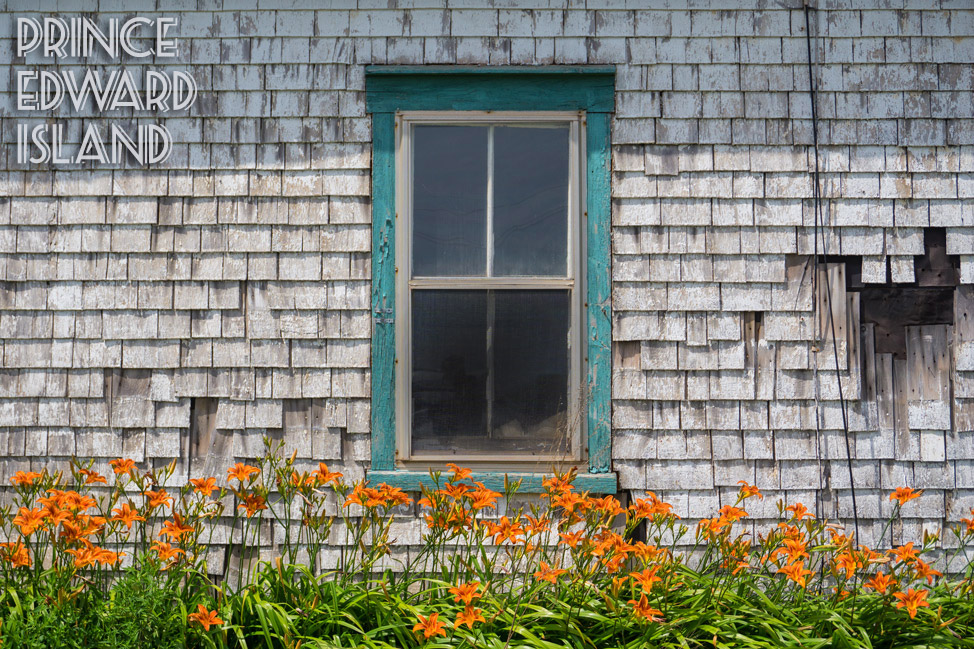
(176, 528)
(127, 514)
(650, 506)
(791, 531)
(537, 525)
(56, 515)
(92, 477)
(482, 497)
(204, 486)
(393, 496)
(870, 556)
(911, 600)
(89, 555)
(880, 582)
(612, 564)
(794, 550)
(466, 592)
(848, 563)
(732, 514)
(548, 573)
(905, 553)
(505, 530)
(165, 552)
(559, 483)
(302, 480)
(747, 491)
(455, 490)
(469, 615)
(925, 571)
(71, 500)
(838, 538)
(712, 527)
(798, 511)
(645, 552)
(608, 505)
(120, 466)
(647, 578)
(459, 519)
(108, 558)
(429, 626)
(903, 495)
(252, 503)
(159, 498)
(644, 611)
(77, 502)
(25, 478)
(362, 495)
(16, 554)
(458, 473)
(796, 572)
(83, 556)
(607, 542)
(969, 522)
(324, 476)
(204, 618)
(571, 539)
(81, 527)
(29, 520)
(567, 501)
(241, 472)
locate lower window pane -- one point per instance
(449, 368)
(490, 372)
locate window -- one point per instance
(488, 342)
(490, 272)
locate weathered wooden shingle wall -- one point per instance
(188, 310)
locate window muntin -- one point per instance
(489, 359)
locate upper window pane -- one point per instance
(449, 200)
(531, 200)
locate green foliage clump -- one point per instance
(143, 610)
(572, 570)
(140, 610)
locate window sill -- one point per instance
(596, 483)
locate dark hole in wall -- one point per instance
(935, 267)
(853, 269)
(892, 307)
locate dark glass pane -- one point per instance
(449, 368)
(530, 200)
(449, 200)
(531, 367)
(469, 346)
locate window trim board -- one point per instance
(461, 88)
(390, 89)
(530, 482)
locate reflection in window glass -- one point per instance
(449, 200)
(530, 200)
(490, 371)
(449, 367)
(530, 369)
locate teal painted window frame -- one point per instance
(390, 89)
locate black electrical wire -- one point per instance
(817, 206)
